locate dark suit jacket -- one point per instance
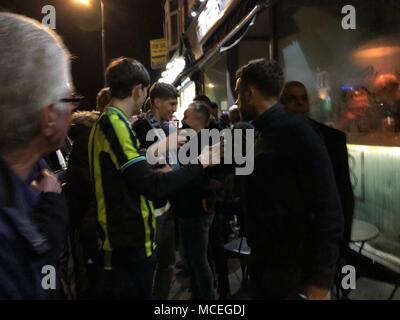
(335, 142)
(293, 211)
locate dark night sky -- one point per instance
(130, 25)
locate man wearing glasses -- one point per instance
(35, 114)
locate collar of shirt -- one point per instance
(120, 113)
(264, 119)
(155, 124)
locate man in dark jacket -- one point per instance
(34, 119)
(293, 213)
(295, 99)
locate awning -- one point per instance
(228, 34)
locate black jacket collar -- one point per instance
(268, 116)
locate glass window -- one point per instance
(174, 4)
(174, 29)
(187, 94)
(352, 76)
(216, 81)
(353, 82)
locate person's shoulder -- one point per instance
(329, 132)
(140, 124)
(297, 131)
(7, 186)
(295, 123)
(141, 127)
(109, 118)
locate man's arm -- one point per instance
(327, 217)
(51, 212)
(344, 186)
(134, 167)
(155, 185)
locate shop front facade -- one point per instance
(352, 76)
(351, 70)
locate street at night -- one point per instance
(220, 152)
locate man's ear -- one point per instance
(250, 91)
(156, 102)
(47, 120)
(137, 92)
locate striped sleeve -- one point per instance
(122, 142)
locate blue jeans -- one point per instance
(194, 234)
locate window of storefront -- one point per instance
(353, 81)
(353, 76)
(187, 94)
(174, 22)
(216, 82)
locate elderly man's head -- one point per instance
(197, 116)
(35, 83)
(295, 98)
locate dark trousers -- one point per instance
(218, 255)
(194, 234)
(165, 239)
(132, 276)
(276, 282)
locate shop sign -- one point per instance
(159, 50)
(214, 11)
(174, 69)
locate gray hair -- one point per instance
(34, 73)
(202, 112)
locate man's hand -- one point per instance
(317, 293)
(48, 182)
(211, 155)
(170, 143)
(164, 169)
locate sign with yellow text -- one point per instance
(159, 51)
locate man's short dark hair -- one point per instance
(162, 90)
(147, 105)
(266, 76)
(125, 73)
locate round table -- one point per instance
(362, 231)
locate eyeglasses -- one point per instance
(75, 99)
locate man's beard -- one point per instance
(248, 112)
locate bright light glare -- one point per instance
(86, 3)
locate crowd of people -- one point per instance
(115, 222)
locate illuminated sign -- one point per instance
(214, 10)
(174, 69)
(159, 50)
